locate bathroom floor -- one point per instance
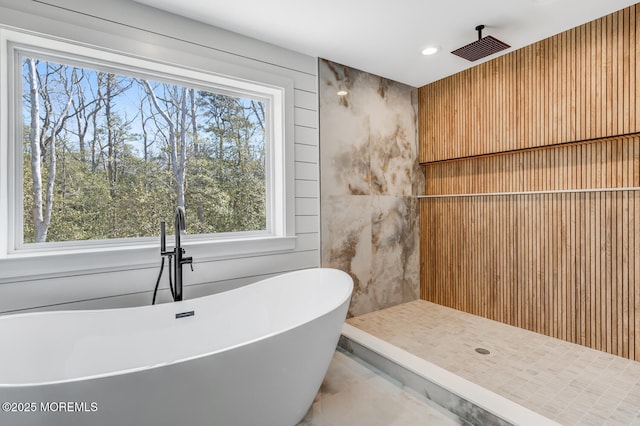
(355, 393)
(568, 383)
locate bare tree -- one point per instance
(176, 134)
(42, 139)
(258, 111)
(85, 110)
(146, 143)
(109, 84)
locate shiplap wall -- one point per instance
(131, 27)
(560, 115)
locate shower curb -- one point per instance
(469, 401)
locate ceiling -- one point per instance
(386, 37)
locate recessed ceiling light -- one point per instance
(342, 93)
(430, 50)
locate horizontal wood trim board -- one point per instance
(581, 84)
(559, 191)
(537, 148)
(608, 163)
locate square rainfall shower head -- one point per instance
(481, 48)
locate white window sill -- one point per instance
(30, 265)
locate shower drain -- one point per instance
(483, 351)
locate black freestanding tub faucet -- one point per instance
(177, 253)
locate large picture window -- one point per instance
(105, 150)
(108, 155)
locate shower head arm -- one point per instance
(479, 29)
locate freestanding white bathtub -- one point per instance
(251, 356)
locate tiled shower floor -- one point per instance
(568, 383)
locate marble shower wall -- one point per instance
(369, 176)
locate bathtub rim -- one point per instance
(330, 310)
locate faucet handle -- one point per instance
(188, 260)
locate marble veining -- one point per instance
(355, 393)
(369, 178)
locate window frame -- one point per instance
(280, 233)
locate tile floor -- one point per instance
(354, 393)
(568, 383)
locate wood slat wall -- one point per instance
(565, 265)
(560, 115)
(581, 84)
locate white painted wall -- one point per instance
(136, 29)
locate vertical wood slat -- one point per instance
(565, 264)
(636, 268)
(575, 86)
